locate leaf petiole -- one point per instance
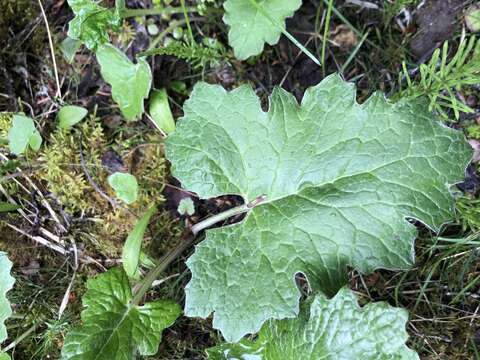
(142, 288)
(275, 23)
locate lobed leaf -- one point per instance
(114, 328)
(130, 82)
(340, 180)
(92, 23)
(6, 283)
(250, 29)
(335, 329)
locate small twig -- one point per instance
(52, 50)
(90, 179)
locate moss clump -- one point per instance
(63, 172)
(65, 178)
(147, 163)
(5, 125)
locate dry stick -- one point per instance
(52, 51)
(40, 240)
(44, 201)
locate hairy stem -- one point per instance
(187, 240)
(219, 217)
(120, 5)
(226, 214)
(147, 282)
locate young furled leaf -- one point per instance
(332, 329)
(6, 283)
(23, 134)
(92, 23)
(133, 245)
(160, 111)
(339, 180)
(113, 327)
(130, 82)
(250, 29)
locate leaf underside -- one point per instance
(130, 82)
(250, 30)
(6, 283)
(340, 180)
(335, 329)
(114, 329)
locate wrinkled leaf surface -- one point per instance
(340, 180)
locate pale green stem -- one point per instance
(326, 29)
(219, 217)
(285, 32)
(120, 5)
(185, 14)
(147, 282)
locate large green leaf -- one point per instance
(336, 329)
(130, 82)
(250, 29)
(92, 22)
(340, 179)
(114, 328)
(6, 283)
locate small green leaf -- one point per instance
(250, 30)
(113, 327)
(23, 133)
(125, 186)
(160, 111)
(335, 329)
(186, 207)
(130, 82)
(4, 356)
(6, 283)
(339, 181)
(133, 244)
(69, 48)
(92, 23)
(35, 141)
(70, 115)
(472, 18)
(7, 207)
